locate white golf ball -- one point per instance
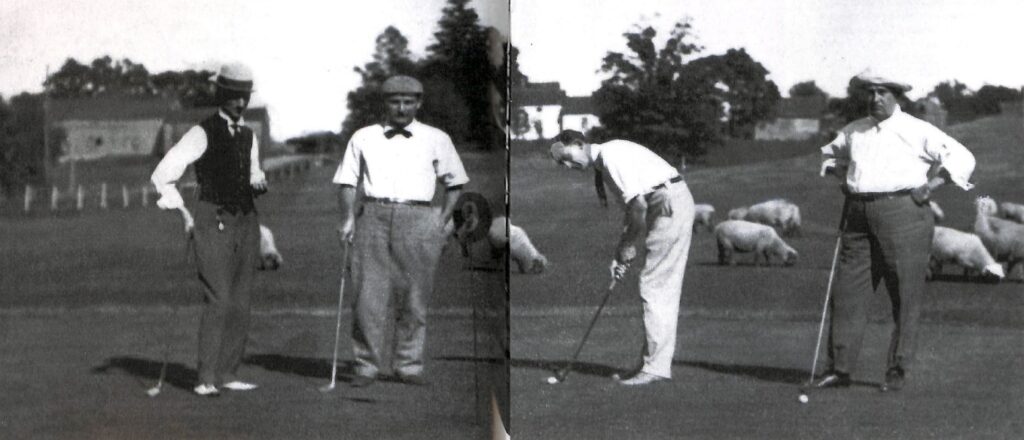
(552, 380)
(803, 398)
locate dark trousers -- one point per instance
(226, 259)
(885, 239)
(394, 257)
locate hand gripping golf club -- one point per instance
(562, 373)
(337, 328)
(189, 223)
(828, 294)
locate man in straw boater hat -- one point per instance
(658, 215)
(886, 162)
(226, 231)
(396, 235)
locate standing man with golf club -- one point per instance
(884, 162)
(226, 233)
(659, 211)
(396, 236)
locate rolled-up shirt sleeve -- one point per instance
(835, 155)
(256, 174)
(952, 156)
(448, 166)
(170, 169)
(348, 169)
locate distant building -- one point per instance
(930, 109)
(578, 114)
(105, 126)
(797, 118)
(537, 110)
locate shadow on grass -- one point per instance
(950, 278)
(584, 368)
(790, 376)
(147, 371)
(301, 366)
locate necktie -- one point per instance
(234, 129)
(392, 132)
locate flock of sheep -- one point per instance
(998, 236)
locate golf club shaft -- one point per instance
(828, 290)
(337, 327)
(579, 348)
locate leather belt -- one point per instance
(671, 181)
(391, 201)
(872, 196)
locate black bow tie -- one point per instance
(392, 132)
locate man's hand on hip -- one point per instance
(921, 194)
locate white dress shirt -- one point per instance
(401, 167)
(895, 154)
(188, 150)
(631, 169)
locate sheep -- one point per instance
(1003, 238)
(703, 216)
(1012, 211)
(962, 248)
(779, 213)
(936, 211)
(270, 258)
(743, 236)
(522, 251)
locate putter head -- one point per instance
(327, 388)
(152, 392)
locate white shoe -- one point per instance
(206, 390)
(641, 378)
(237, 385)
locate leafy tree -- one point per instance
(989, 97)
(742, 84)
(674, 105)
(390, 57)
(806, 89)
(192, 87)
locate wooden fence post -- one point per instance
(103, 195)
(54, 198)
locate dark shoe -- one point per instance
(834, 380)
(361, 381)
(413, 379)
(894, 379)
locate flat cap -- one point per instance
(401, 84)
(869, 77)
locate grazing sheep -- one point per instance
(743, 236)
(1012, 211)
(964, 249)
(1003, 238)
(738, 213)
(270, 258)
(779, 213)
(936, 211)
(522, 251)
(703, 216)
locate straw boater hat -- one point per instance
(869, 77)
(235, 77)
(401, 84)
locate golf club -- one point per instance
(337, 329)
(562, 373)
(189, 224)
(828, 297)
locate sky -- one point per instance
(302, 52)
(922, 42)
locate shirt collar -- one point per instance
(411, 127)
(224, 116)
(595, 152)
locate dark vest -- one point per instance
(223, 170)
